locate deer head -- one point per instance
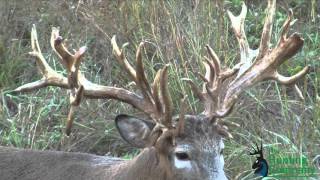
(183, 146)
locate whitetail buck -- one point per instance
(188, 147)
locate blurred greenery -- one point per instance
(176, 32)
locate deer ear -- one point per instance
(134, 130)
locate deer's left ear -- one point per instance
(134, 130)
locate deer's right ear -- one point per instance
(134, 130)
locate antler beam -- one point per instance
(155, 101)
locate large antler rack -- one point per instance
(154, 100)
(222, 86)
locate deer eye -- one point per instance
(183, 156)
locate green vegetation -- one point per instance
(177, 32)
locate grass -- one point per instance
(177, 36)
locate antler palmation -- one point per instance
(222, 86)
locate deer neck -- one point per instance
(145, 166)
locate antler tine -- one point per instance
(69, 61)
(292, 79)
(76, 96)
(75, 100)
(165, 97)
(209, 75)
(246, 54)
(70, 119)
(50, 77)
(237, 23)
(72, 64)
(155, 102)
(122, 59)
(214, 69)
(155, 91)
(138, 75)
(141, 79)
(215, 59)
(213, 81)
(65, 57)
(180, 127)
(267, 29)
(285, 27)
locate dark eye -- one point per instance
(183, 156)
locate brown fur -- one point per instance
(16, 164)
